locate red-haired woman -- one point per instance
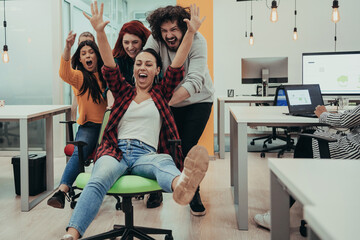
(131, 40)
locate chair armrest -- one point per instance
(319, 138)
(69, 125)
(83, 162)
(323, 143)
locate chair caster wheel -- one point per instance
(118, 206)
(73, 204)
(252, 143)
(303, 229)
(169, 237)
(270, 142)
(262, 155)
(264, 146)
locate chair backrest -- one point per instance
(103, 125)
(280, 97)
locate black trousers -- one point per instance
(191, 121)
(303, 149)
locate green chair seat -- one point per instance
(128, 184)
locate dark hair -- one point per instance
(86, 34)
(90, 81)
(155, 54)
(133, 27)
(168, 13)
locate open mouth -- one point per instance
(89, 63)
(171, 41)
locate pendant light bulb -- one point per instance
(295, 34)
(273, 14)
(335, 16)
(251, 40)
(5, 54)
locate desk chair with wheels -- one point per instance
(69, 149)
(279, 100)
(127, 187)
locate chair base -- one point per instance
(129, 231)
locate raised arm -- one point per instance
(69, 43)
(99, 26)
(192, 26)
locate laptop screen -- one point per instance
(303, 98)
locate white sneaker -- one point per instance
(67, 237)
(263, 220)
(195, 166)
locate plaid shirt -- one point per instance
(124, 93)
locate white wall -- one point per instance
(316, 34)
(146, 6)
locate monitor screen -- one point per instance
(337, 73)
(275, 69)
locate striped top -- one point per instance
(348, 144)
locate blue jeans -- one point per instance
(138, 159)
(88, 133)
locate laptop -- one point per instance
(303, 99)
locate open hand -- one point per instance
(70, 40)
(194, 23)
(96, 20)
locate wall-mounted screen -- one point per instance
(337, 73)
(275, 69)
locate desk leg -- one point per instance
(49, 154)
(239, 171)
(24, 166)
(280, 211)
(221, 128)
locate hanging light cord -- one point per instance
(251, 17)
(335, 38)
(245, 19)
(295, 13)
(4, 22)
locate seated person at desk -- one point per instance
(347, 145)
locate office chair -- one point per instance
(69, 149)
(127, 187)
(279, 100)
(324, 151)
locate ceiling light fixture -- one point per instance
(295, 33)
(274, 14)
(251, 39)
(335, 16)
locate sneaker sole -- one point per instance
(55, 204)
(195, 167)
(198, 214)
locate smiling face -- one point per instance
(88, 58)
(171, 34)
(132, 44)
(145, 70)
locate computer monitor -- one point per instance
(272, 69)
(337, 73)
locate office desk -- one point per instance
(240, 119)
(221, 101)
(329, 191)
(25, 114)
